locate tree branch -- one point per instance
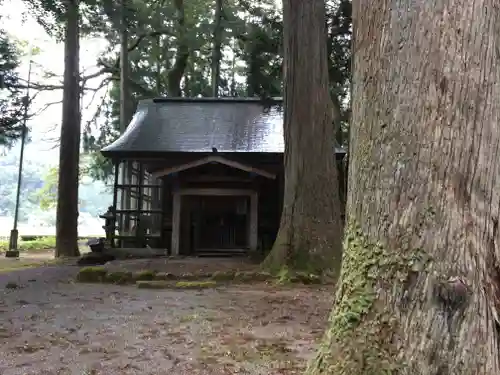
(115, 66)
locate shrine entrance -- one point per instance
(214, 221)
(220, 223)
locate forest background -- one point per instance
(171, 52)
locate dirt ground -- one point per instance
(180, 265)
(51, 325)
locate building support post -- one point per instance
(254, 221)
(176, 223)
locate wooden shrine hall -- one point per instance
(199, 176)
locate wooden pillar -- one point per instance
(176, 223)
(116, 164)
(254, 221)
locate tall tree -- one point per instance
(69, 151)
(126, 105)
(175, 74)
(420, 277)
(310, 232)
(216, 47)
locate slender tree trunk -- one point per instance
(233, 70)
(69, 153)
(125, 91)
(126, 105)
(159, 57)
(216, 48)
(182, 54)
(420, 276)
(309, 236)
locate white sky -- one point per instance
(45, 128)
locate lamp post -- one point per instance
(13, 252)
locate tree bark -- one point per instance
(126, 103)
(182, 54)
(126, 110)
(420, 278)
(309, 237)
(69, 153)
(216, 48)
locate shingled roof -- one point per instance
(202, 124)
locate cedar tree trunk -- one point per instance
(309, 237)
(69, 153)
(216, 48)
(174, 76)
(420, 275)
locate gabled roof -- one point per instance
(214, 159)
(229, 125)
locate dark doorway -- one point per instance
(219, 223)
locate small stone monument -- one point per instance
(141, 230)
(109, 224)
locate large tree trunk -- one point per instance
(420, 268)
(310, 236)
(69, 153)
(182, 54)
(216, 48)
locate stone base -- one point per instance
(12, 254)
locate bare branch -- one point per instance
(52, 128)
(103, 84)
(45, 107)
(93, 120)
(106, 69)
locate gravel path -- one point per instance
(50, 325)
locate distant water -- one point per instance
(90, 227)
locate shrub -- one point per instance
(195, 284)
(92, 275)
(145, 275)
(29, 238)
(31, 243)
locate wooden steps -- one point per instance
(221, 252)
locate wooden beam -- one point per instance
(216, 192)
(176, 223)
(210, 178)
(214, 159)
(254, 221)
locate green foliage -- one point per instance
(12, 103)
(92, 274)
(47, 194)
(50, 14)
(251, 60)
(39, 244)
(145, 275)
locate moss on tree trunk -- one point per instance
(417, 291)
(309, 237)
